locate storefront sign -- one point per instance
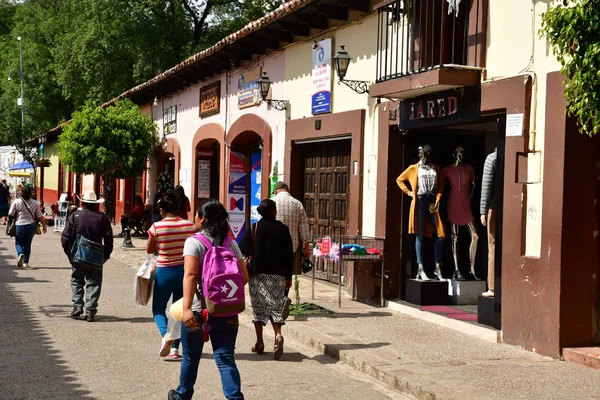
(237, 194)
(204, 153)
(255, 186)
(321, 77)
(448, 107)
(203, 179)
(210, 99)
(170, 120)
(248, 89)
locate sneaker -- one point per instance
(173, 355)
(26, 265)
(286, 308)
(172, 395)
(165, 347)
(90, 316)
(20, 261)
(77, 311)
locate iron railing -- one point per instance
(419, 35)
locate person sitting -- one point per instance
(135, 217)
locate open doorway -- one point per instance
(208, 178)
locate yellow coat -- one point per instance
(411, 176)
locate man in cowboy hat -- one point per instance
(94, 226)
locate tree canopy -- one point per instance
(572, 31)
(114, 142)
(80, 51)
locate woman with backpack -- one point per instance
(167, 237)
(200, 253)
(272, 264)
(26, 214)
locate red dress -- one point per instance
(459, 200)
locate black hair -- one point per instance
(26, 193)
(216, 218)
(181, 200)
(139, 199)
(155, 204)
(168, 203)
(266, 208)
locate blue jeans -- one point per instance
(422, 214)
(223, 334)
(168, 281)
(23, 239)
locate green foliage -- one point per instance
(114, 142)
(572, 31)
(308, 309)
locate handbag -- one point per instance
(11, 227)
(85, 252)
(38, 227)
(307, 266)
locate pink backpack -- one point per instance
(222, 282)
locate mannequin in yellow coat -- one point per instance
(426, 188)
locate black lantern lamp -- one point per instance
(342, 62)
(265, 84)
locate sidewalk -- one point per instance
(421, 358)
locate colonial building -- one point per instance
(444, 73)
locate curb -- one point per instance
(396, 377)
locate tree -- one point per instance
(113, 142)
(572, 31)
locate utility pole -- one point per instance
(22, 90)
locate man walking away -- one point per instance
(291, 212)
(95, 226)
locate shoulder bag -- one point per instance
(11, 227)
(38, 228)
(85, 252)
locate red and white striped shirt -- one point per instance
(170, 235)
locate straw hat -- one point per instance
(90, 197)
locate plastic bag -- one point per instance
(144, 281)
(173, 327)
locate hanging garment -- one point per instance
(453, 5)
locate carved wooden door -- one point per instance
(326, 180)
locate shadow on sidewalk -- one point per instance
(371, 314)
(30, 368)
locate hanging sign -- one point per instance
(326, 245)
(249, 89)
(321, 77)
(210, 99)
(255, 186)
(514, 125)
(441, 108)
(237, 194)
(203, 179)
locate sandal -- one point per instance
(278, 350)
(258, 348)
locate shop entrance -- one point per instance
(165, 171)
(245, 182)
(326, 179)
(207, 172)
(478, 139)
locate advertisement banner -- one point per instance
(321, 77)
(255, 186)
(237, 194)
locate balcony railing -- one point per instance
(419, 35)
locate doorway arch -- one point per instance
(208, 152)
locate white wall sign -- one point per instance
(203, 179)
(321, 77)
(514, 125)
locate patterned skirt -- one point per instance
(267, 294)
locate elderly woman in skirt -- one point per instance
(270, 244)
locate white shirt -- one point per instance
(427, 179)
(19, 210)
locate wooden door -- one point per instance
(326, 181)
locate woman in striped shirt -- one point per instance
(167, 237)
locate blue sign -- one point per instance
(255, 186)
(321, 77)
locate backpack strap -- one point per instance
(204, 240)
(227, 242)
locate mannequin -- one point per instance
(488, 216)
(462, 184)
(426, 192)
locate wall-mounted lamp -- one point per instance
(155, 101)
(342, 61)
(265, 84)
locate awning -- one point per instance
(21, 165)
(22, 174)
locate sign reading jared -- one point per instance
(210, 99)
(441, 108)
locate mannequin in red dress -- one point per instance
(462, 183)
